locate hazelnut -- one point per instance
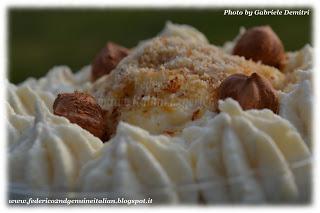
(107, 59)
(261, 44)
(252, 92)
(82, 109)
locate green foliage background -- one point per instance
(42, 38)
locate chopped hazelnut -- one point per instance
(107, 59)
(169, 133)
(173, 85)
(196, 114)
(82, 109)
(252, 92)
(261, 44)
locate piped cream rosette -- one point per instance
(249, 156)
(136, 164)
(48, 154)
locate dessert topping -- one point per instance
(82, 109)
(107, 59)
(252, 92)
(261, 44)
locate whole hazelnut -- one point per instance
(252, 92)
(261, 44)
(107, 59)
(82, 109)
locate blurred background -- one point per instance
(42, 38)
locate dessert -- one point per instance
(165, 80)
(176, 119)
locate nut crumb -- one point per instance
(196, 115)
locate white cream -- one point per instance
(60, 79)
(296, 107)
(183, 31)
(236, 143)
(136, 165)
(22, 99)
(16, 124)
(300, 60)
(50, 154)
(193, 130)
(296, 100)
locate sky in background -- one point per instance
(42, 38)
